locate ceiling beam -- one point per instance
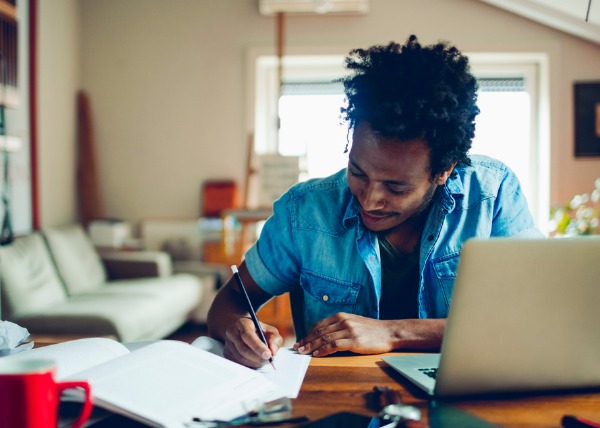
(551, 17)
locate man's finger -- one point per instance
(331, 345)
(326, 344)
(231, 354)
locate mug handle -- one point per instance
(87, 404)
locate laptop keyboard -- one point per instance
(431, 372)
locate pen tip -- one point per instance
(272, 363)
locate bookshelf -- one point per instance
(8, 54)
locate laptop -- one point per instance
(525, 316)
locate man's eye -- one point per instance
(356, 174)
(397, 191)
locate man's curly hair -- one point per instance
(411, 91)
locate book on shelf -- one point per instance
(167, 383)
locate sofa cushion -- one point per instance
(136, 264)
(132, 310)
(76, 258)
(29, 280)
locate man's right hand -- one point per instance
(243, 345)
(229, 322)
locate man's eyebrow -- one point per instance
(399, 183)
(355, 165)
(392, 182)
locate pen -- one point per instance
(238, 278)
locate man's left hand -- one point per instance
(347, 332)
(362, 335)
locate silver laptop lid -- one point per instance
(525, 316)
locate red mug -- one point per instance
(29, 395)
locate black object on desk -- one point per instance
(443, 415)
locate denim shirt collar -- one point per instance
(351, 216)
(452, 193)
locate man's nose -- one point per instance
(373, 197)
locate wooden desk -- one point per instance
(335, 384)
(41, 340)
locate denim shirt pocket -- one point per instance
(444, 268)
(325, 296)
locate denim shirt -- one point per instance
(315, 246)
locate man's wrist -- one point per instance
(422, 334)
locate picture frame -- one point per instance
(587, 118)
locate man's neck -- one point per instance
(406, 237)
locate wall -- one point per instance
(168, 85)
(58, 82)
(17, 125)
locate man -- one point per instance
(369, 255)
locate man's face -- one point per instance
(390, 178)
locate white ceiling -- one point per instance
(565, 15)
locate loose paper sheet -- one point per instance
(291, 366)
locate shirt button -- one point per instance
(325, 298)
(430, 238)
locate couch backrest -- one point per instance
(77, 261)
(28, 277)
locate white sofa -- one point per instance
(183, 240)
(53, 282)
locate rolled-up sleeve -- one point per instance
(273, 261)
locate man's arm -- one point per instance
(348, 332)
(229, 321)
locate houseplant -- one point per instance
(579, 216)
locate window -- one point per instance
(512, 125)
(310, 127)
(508, 128)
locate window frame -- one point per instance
(328, 63)
(533, 68)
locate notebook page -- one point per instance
(76, 355)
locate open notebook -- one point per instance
(525, 316)
(167, 383)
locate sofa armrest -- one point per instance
(136, 264)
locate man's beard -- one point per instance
(424, 207)
(419, 212)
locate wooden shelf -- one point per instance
(8, 10)
(11, 96)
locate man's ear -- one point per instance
(442, 177)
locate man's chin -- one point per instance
(379, 224)
(384, 230)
